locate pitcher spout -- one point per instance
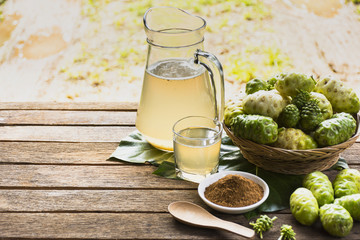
(173, 27)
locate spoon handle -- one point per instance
(235, 228)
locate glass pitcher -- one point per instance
(180, 78)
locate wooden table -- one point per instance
(56, 183)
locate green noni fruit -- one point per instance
(303, 206)
(336, 220)
(346, 182)
(233, 107)
(255, 85)
(310, 116)
(324, 104)
(301, 98)
(294, 139)
(351, 203)
(337, 129)
(271, 83)
(265, 103)
(290, 83)
(320, 186)
(342, 98)
(289, 116)
(260, 129)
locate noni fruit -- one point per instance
(294, 139)
(346, 182)
(303, 206)
(351, 203)
(266, 103)
(290, 83)
(310, 116)
(257, 128)
(301, 98)
(271, 83)
(337, 129)
(255, 85)
(289, 116)
(233, 107)
(336, 220)
(324, 104)
(342, 98)
(320, 186)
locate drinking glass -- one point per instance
(196, 141)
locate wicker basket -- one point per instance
(291, 161)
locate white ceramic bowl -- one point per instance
(232, 210)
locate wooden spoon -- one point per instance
(195, 215)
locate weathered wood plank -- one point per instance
(102, 226)
(87, 152)
(94, 177)
(98, 106)
(137, 226)
(56, 152)
(84, 176)
(64, 133)
(93, 200)
(55, 117)
(351, 155)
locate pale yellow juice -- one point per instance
(172, 89)
(197, 152)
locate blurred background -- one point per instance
(95, 50)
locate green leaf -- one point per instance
(166, 169)
(340, 164)
(227, 145)
(235, 161)
(281, 187)
(135, 149)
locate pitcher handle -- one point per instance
(219, 96)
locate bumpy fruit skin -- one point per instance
(342, 98)
(290, 83)
(303, 206)
(336, 220)
(324, 104)
(271, 83)
(289, 116)
(310, 116)
(233, 107)
(320, 186)
(294, 139)
(260, 129)
(337, 129)
(346, 182)
(351, 203)
(301, 98)
(255, 85)
(266, 103)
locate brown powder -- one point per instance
(234, 191)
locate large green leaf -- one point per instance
(135, 149)
(166, 169)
